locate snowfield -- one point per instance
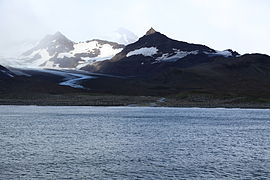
(106, 50)
(87, 52)
(44, 56)
(84, 47)
(146, 51)
(176, 56)
(225, 53)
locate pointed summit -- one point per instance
(53, 37)
(58, 33)
(150, 31)
(53, 43)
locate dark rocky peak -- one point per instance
(234, 53)
(58, 37)
(58, 34)
(55, 36)
(151, 31)
(165, 44)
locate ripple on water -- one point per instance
(133, 143)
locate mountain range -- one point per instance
(154, 65)
(57, 51)
(155, 52)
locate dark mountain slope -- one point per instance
(245, 75)
(5, 73)
(155, 52)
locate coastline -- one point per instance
(194, 101)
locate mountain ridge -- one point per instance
(155, 65)
(57, 51)
(151, 50)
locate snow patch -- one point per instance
(146, 51)
(30, 61)
(63, 55)
(44, 57)
(176, 56)
(85, 59)
(225, 53)
(91, 61)
(85, 47)
(49, 64)
(106, 52)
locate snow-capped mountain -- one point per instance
(57, 51)
(153, 65)
(161, 48)
(123, 36)
(154, 49)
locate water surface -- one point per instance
(133, 143)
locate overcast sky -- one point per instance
(242, 25)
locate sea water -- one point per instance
(133, 143)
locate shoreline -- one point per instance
(106, 100)
(173, 107)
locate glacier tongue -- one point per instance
(74, 80)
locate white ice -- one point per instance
(63, 55)
(146, 51)
(176, 56)
(225, 53)
(75, 79)
(70, 79)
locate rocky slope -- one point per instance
(5, 73)
(155, 52)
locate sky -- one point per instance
(241, 25)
